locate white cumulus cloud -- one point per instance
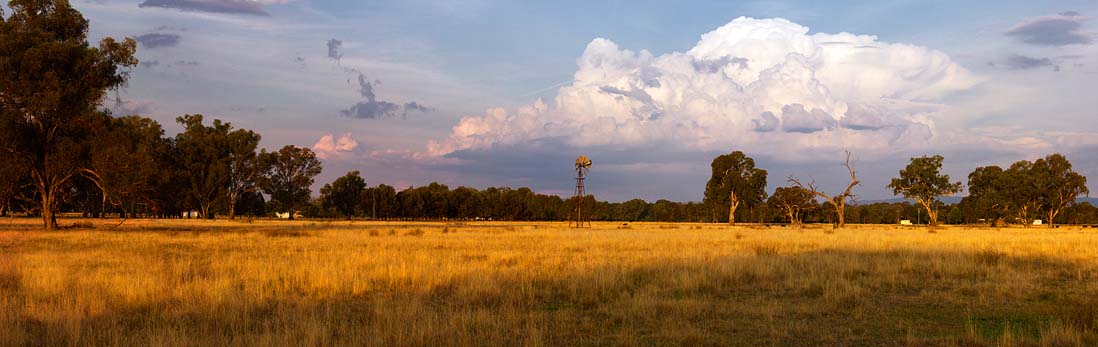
(762, 85)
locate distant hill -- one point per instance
(957, 199)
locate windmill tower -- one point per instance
(580, 220)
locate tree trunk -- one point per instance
(1051, 215)
(49, 219)
(840, 209)
(732, 205)
(232, 206)
(930, 212)
(792, 217)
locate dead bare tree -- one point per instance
(838, 201)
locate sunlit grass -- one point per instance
(278, 283)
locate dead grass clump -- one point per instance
(446, 230)
(9, 274)
(82, 225)
(739, 236)
(392, 232)
(375, 232)
(766, 250)
(1082, 316)
(288, 233)
(1061, 335)
(990, 257)
(417, 232)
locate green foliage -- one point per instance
(288, 176)
(343, 195)
(922, 180)
(219, 162)
(792, 201)
(1021, 192)
(1061, 185)
(734, 181)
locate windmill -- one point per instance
(579, 220)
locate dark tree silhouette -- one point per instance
(288, 177)
(344, 194)
(51, 84)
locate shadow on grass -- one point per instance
(830, 297)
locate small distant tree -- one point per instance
(734, 181)
(922, 180)
(1062, 185)
(792, 201)
(288, 175)
(344, 194)
(837, 201)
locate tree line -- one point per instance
(1047, 188)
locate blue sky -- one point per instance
(507, 93)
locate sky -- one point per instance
(507, 93)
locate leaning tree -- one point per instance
(837, 201)
(922, 180)
(52, 83)
(735, 181)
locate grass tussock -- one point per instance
(288, 233)
(293, 283)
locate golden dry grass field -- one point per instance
(309, 283)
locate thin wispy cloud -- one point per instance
(243, 7)
(158, 40)
(1021, 62)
